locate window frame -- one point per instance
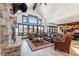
(33, 16)
(26, 19)
(40, 21)
(19, 31)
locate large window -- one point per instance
(30, 24)
(24, 19)
(20, 29)
(47, 29)
(39, 29)
(30, 29)
(25, 29)
(55, 29)
(32, 19)
(35, 29)
(40, 21)
(52, 29)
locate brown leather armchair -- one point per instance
(63, 45)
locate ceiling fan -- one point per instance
(35, 5)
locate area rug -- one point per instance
(39, 45)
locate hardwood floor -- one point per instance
(49, 51)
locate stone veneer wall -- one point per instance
(5, 25)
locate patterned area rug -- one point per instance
(36, 45)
